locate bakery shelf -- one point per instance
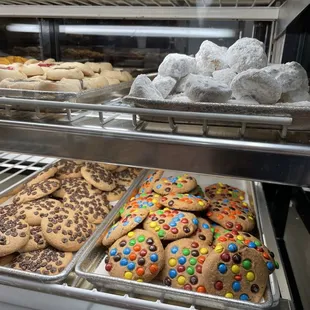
(242, 151)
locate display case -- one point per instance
(267, 148)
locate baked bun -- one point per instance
(95, 66)
(58, 86)
(112, 81)
(31, 61)
(86, 69)
(9, 72)
(45, 67)
(105, 66)
(76, 84)
(49, 61)
(32, 70)
(112, 74)
(56, 73)
(128, 75)
(38, 77)
(96, 82)
(19, 84)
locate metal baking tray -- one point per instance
(298, 112)
(65, 273)
(91, 262)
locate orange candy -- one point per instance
(140, 271)
(132, 256)
(137, 247)
(222, 239)
(201, 259)
(247, 241)
(201, 289)
(266, 255)
(209, 214)
(153, 268)
(220, 216)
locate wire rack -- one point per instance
(171, 3)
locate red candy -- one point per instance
(225, 257)
(195, 245)
(238, 277)
(184, 220)
(143, 253)
(235, 232)
(174, 230)
(188, 287)
(164, 198)
(108, 267)
(229, 224)
(228, 235)
(162, 215)
(199, 269)
(166, 227)
(239, 227)
(260, 250)
(181, 268)
(218, 285)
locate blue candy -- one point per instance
(126, 251)
(123, 262)
(173, 224)
(172, 273)
(205, 226)
(154, 258)
(236, 286)
(182, 260)
(244, 297)
(131, 266)
(174, 249)
(232, 247)
(252, 245)
(222, 268)
(195, 221)
(138, 219)
(113, 252)
(270, 266)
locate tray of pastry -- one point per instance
(50, 218)
(191, 239)
(222, 81)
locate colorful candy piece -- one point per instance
(224, 191)
(185, 202)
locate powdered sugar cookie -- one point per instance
(179, 184)
(184, 202)
(185, 265)
(124, 225)
(224, 191)
(148, 183)
(137, 256)
(171, 224)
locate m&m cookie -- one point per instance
(147, 185)
(244, 238)
(175, 184)
(124, 225)
(230, 215)
(236, 272)
(185, 265)
(171, 224)
(197, 191)
(150, 202)
(137, 256)
(184, 202)
(224, 191)
(204, 232)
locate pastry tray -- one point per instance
(59, 278)
(296, 114)
(91, 267)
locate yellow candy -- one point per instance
(166, 181)
(181, 280)
(153, 224)
(229, 295)
(250, 276)
(128, 275)
(180, 179)
(201, 203)
(221, 184)
(239, 237)
(139, 280)
(130, 234)
(241, 197)
(203, 250)
(166, 209)
(156, 195)
(172, 262)
(218, 249)
(157, 228)
(218, 191)
(235, 269)
(245, 204)
(154, 200)
(251, 218)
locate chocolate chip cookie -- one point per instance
(67, 169)
(125, 177)
(36, 240)
(43, 176)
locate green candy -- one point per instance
(160, 212)
(141, 238)
(161, 233)
(179, 185)
(193, 261)
(186, 251)
(132, 242)
(190, 270)
(276, 264)
(246, 264)
(257, 243)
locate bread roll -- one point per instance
(56, 73)
(96, 82)
(38, 77)
(87, 70)
(9, 72)
(77, 84)
(105, 66)
(45, 67)
(18, 84)
(31, 61)
(112, 81)
(58, 86)
(112, 74)
(32, 70)
(128, 75)
(49, 61)
(95, 66)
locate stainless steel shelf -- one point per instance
(219, 151)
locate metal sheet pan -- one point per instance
(298, 111)
(65, 273)
(90, 264)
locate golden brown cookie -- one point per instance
(229, 214)
(72, 185)
(171, 224)
(93, 207)
(109, 167)
(33, 212)
(185, 265)
(36, 191)
(8, 210)
(124, 225)
(67, 169)
(236, 272)
(125, 177)
(42, 176)
(148, 183)
(224, 191)
(175, 184)
(48, 261)
(99, 177)
(66, 231)
(36, 240)
(197, 191)
(120, 168)
(150, 202)
(137, 256)
(185, 202)
(204, 232)
(6, 260)
(117, 193)
(14, 234)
